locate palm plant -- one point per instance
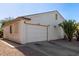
(77, 32)
(69, 27)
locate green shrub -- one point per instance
(69, 27)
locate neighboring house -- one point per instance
(36, 27)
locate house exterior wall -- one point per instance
(23, 35)
(32, 33)
(49, 19)
(14, 36)
(36, 33)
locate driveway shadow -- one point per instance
(27, 51)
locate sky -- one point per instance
(68, 11)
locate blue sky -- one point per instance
(68, 11)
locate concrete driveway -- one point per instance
(55, 48)
(44, 48)
(10, 48)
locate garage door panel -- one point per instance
(36, 33)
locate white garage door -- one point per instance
(36, 33)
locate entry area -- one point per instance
(36, 33)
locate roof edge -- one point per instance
(41, 13)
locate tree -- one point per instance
(69, 27)
(2, 22)
(6, 20)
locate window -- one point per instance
(10, 29)
(56, 16)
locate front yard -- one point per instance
(43, 48)
(6, 50)
(57, 47)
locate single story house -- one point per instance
(35, 27)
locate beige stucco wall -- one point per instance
(32, 33)
(44, 19)
(48, 18)
(14, 36)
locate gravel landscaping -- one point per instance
(43, 48)
(17, 50)
(6, 50)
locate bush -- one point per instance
(69, 27)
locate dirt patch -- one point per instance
(6, 50)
